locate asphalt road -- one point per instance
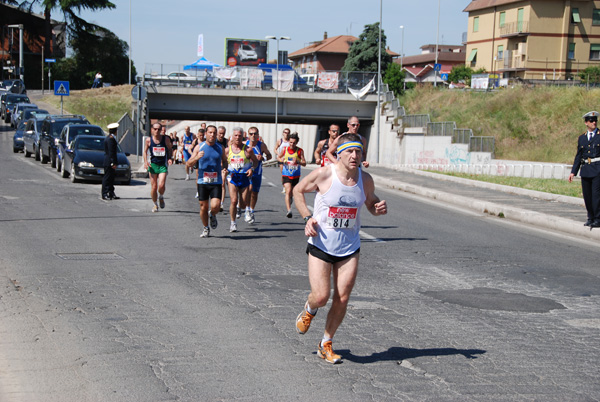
(106, 301)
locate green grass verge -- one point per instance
(553, 186)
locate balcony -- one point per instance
(514, 29)
(514, 60)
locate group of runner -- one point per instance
(341, 185)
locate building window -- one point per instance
(500, 52)
(520, 17)
(502, 18)
(595, 51)
(472, 58)
(596, 17)
(575, 18)
(571, 54)
(476, 24)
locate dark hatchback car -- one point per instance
(13, 86)
(85, 161)
(68, 135)
(18, 138)
(51, 129)
(31, 137)
(10, 100)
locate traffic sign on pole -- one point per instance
(61, 88)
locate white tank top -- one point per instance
(338, 213)
(284, 144)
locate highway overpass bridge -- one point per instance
(247, 105)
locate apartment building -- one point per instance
(533, 39)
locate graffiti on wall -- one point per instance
(457, 155)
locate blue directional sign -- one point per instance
(444, 77)
(50, 60)
(61, 88)
(437, 67)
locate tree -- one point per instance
(363, 54)
(590, 74)
(394, 77)
(460, 73)
(69, 8)
(97, 50)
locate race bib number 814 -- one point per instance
(341, 217)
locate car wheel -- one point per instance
(27, 154)
(73, 178)
(52, 159)
(15, 150)
(58, 164)
(36, 154)
(63, 172)
(43, 158)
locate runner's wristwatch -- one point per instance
(306, 218)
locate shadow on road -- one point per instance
(397, 353)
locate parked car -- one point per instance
(31, 137)
(9, 101)
(18, 138)
(51, 129)
(68, 135)
(246, 52)
(29, 113)
(175, 78)
(85, 161)
(15, 86)
(17, 110)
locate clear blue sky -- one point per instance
(166, 32)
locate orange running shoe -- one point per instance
(325, 352)
(303, 320)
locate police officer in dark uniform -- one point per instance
(110, 163)
(588, 159)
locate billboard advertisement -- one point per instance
(245, 52)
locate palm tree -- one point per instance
(70, 8)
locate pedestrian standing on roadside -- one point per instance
(291, 157)
(159, 148)
(587, 159)
(211, 159)
(110, 163)
(97, 80)
(333, 231)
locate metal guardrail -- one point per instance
(440, 128)
(462, 135)
(415, 120)
(482, 144)
(175, 75)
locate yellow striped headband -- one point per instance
(347, 145)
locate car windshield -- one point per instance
(57, 127)
(17, 99)
(33, 112)
(90, 144)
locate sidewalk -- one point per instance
(544, 210)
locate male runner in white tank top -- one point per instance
(334, 243)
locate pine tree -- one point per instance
(363, 54)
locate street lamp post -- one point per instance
(277, 38)
(402, 50)
(402, 59)
(437, 41)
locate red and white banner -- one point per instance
(328, 80)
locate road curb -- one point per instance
(516, 214)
